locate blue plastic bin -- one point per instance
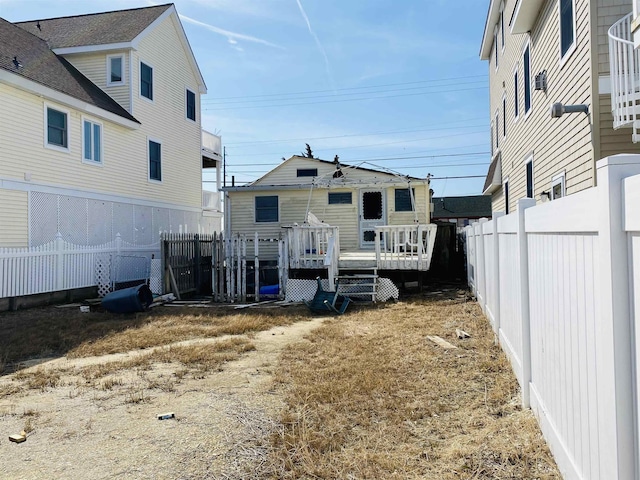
(128, 300)
(269, 290)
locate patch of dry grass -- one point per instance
(370, 397)
(50, 331)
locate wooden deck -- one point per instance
(362, 259)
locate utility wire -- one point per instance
(350, 88)
(334, 95)
(390, 132)
(345, 99)
(387, 159)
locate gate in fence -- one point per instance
(227, 268)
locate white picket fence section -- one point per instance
(560, 284)
(60, 265)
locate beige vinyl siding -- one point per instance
(609, 12)
(561, 144)
(292, 208)
(164, 119)
(94, 67)
(14, 218)
(613, 142)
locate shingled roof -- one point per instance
(38, 63)
(103, 28)
(472, 206)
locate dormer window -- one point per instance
(115, 70)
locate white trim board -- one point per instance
(25, 186)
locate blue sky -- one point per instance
(394, 83)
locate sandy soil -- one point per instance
(221, 426)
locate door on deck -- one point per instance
(372, 214)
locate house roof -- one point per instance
(331, 162)
(102, 28)
(474, 206)
(39, 64)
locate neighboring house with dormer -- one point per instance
(540, 53)
(100, 131)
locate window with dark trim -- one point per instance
(506, 197)
(403, 199)
(191, 105)
(497, 132)
(146, 81)
(502, 28)
(266, 208)
(155, 161)
(567, 30)
(495, 43)
(526, 57)
(529, 166)
(57, 130)
(307, 172)
(337, 198)
(504, 116)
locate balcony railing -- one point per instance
(624, 62)
(313, 246)
(405, 247)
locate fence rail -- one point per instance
(560, 284)
(60, 265)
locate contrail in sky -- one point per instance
(232, 36)
(320, 47)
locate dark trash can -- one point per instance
(128, 300)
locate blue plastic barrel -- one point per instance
(128, 300)
(269, 290)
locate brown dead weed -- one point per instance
(370, 397)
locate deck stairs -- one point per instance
(360, 284)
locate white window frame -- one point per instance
(495, 46)
(52, 146)
(90, 161)
(558, 179)
(529, 160)
(149, 179)
(502, 34)
(497, 132)
(124, 77)
(516, 91)
(186, 110)
(153, 92)
(527, 45)
(563, 58)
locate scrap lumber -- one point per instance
(441, 342)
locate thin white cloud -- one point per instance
(231, 36)
(320, 47)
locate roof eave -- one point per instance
(493, 15)
(31, 86)
(93, 48)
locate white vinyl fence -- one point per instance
(560, 284)
(60, 265)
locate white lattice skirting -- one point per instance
(298, 290)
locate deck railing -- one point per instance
(313, 246)
(624, 61)
(405, 247)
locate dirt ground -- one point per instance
(221, 426)
(364, 383)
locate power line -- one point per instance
(387, 159)
(350, 88)
(345, 99)
(334, 95)
(454, 178)
(391, 132)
